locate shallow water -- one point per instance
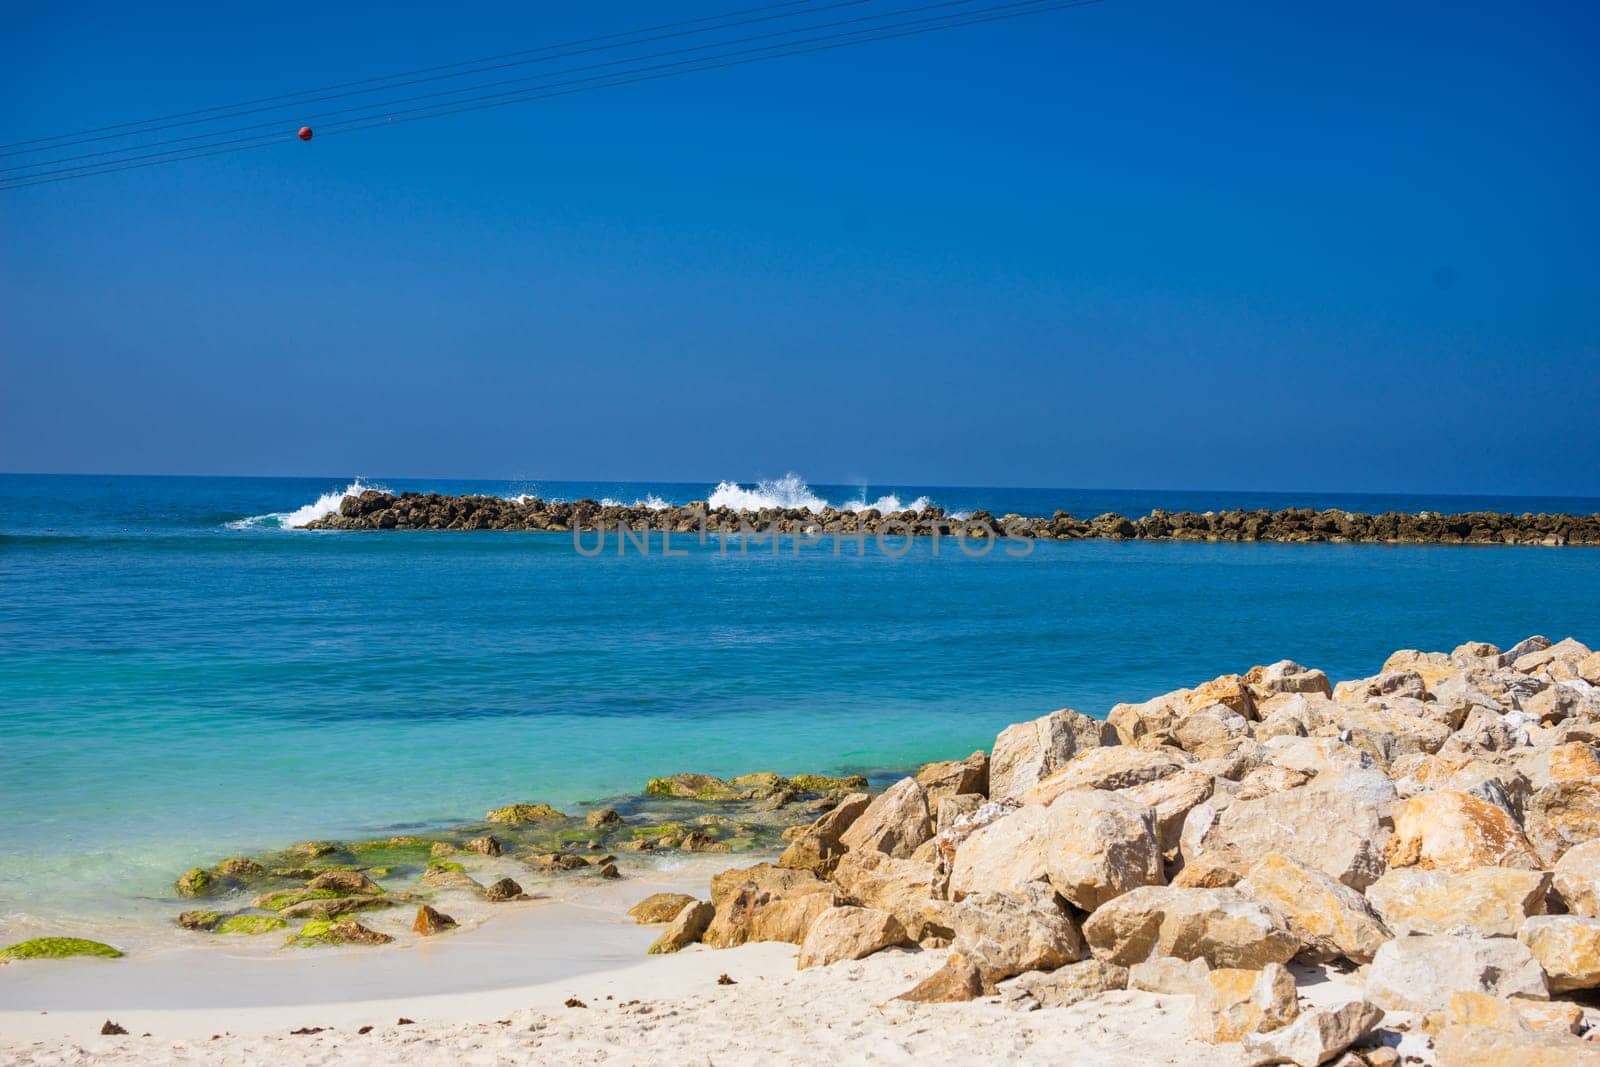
(180, 678)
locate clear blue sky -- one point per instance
(1349, 246)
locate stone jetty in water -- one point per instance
(377, 510)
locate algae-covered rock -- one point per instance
(822, 783)
(240, 867)
(285, 898)
(486, 845)
(344, 932)
(199, 919)
(249, 924)
(333, 907)
(522, 814)
(345, 883)
(198, 882)
(57, 948)
(313, 849)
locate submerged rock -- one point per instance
(523, 814)
(249, 924)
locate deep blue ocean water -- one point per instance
(181, 677)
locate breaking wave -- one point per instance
(791, 491)
(326, 504)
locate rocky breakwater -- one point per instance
(1429, 835)
(376, 510)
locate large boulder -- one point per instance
(1211, 732)
(1229, 690)
(1065, 986)
(685, 928)
(957, 979)
(659, 908)
(1315, 1037)
(1150, 722)
(1170, 800)
(848, 933)
(1563, 814)
(1090, 845)
(896, 823)
(1384, 734)
(765, 903)
(1233, 1002)
(1331, 830)
(1419, 973)
(951, 778)
(1577, 878)
(1567, 947)
(903, 888)
(1330, 919)
(1486, 901)
(1224, 927)
(1010, 933)
(1285, 676)
(1028, 752)
(1112, 767)
(1454, 831)
(1492, 1046)
(1101, 846)
(818, 847)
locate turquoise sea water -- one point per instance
(181, 677)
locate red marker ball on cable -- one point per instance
(305, 133)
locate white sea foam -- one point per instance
(791, 491)
(326, 504)
(651, 501)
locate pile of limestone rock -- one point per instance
(1432, 833)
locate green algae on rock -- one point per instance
(57, 948)
(343, 932)
(199, 919)
(518, 814)
(249, 924)
(197, 882)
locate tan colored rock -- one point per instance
(1171, 799)
(1010, 933)
(1431, 667)
(1589, 668)
(1332, 830)
(1211, 732)
(818, 847)
(1028, 752)
(953, 777)
(896, 823)
(1516, 1014)
(1567, 947)
(1270, 779)
(1315, 1037)
(1221, 926)
(1111, 768)
(1379, 686)
(686, 928)
(1419, 973)
(1170, 975)
(1065, 986)
(659, 908)
(1229, 690)
(958, 979)
(1386, 734)
(848, 933)
(1486, 901)
(765, 903)
(1100, 846)
(949, 809)
(1474, 654)
(1330, 919)
(1202, 874)
(1231, 1003)
(1577, 878)
(1285, 676)
(1454, 831)
(903, 888)
(1004, 855)
(1150, 722)
(1489, 1046)
(1561, 815)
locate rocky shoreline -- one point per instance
(1424, 843)
(377, 510)
(1432, 831)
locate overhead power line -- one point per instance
(905, 27)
